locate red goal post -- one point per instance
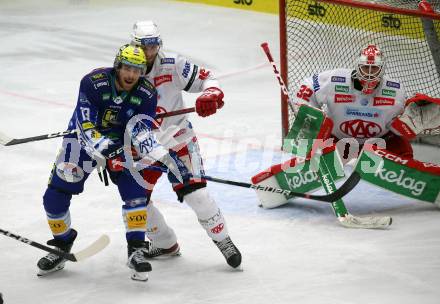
(327, 34)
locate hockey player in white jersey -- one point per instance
(171, 74)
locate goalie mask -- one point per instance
(370, 68)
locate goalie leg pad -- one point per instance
(158, 232)
(295, 175)
(269, 200)
(208, 214)
(405, 176)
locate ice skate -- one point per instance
(52, 262)
(156, 252)
(137, 261)
(230, 252)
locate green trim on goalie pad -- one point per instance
(408, 177)
(310, 124)
(303, 176)
(294, 175)
(328, 181)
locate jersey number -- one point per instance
(304, 93)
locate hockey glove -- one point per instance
(177, 171)
(210, 100)
(421, 113)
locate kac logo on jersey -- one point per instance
(359, 128)
(338, 79)
(167, 61)
(186, 69)
(344, 98)
(316, 85)
(362, 112)
(383, 101)
(393, 84)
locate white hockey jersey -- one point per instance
(171, 74)
(354, 114)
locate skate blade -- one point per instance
(166, 256)
(139, 276)
(238, 268)
(42, 273)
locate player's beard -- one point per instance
(125, 83)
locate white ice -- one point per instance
(294, 254)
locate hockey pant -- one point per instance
(69, 173)
(194, 194)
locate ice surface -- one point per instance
(294, 254)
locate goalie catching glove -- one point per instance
(210, 100)
(421, 113)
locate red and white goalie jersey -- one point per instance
(171, 74)
(354, 113)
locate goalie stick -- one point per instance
(87, 252)
(8, 141)
(347, 219)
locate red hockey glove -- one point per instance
(210, 100)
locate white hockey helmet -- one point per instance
(370, 68)
(145, 33)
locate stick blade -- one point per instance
(4, 139)
(366, 222)
(93, 248)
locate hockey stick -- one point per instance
(87, 252)
(341, 212)
(8, 141)
(345, 188)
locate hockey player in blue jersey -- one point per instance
(109, 100)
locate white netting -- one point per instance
(322, 36)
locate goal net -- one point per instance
(321, 35)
